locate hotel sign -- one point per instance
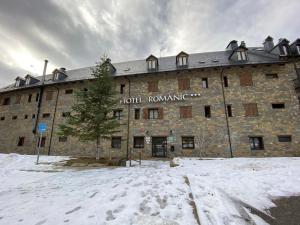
(157, 98)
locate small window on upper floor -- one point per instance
(278, 106)
(27, 82)
(271, 75)
(6, 101)
(118, 114)
(225, 80)
(46, 115)
(151, 64)
(205, 82)
(14, 117)
(283, 50)
(2, 118)
(241, 55)
(122, 88)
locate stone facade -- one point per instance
(212, 131)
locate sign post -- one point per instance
(41, 129)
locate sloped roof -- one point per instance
(256, 55)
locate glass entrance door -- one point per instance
(159, 146)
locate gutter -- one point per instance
(53, 120)
(128, 119)
(226, 114)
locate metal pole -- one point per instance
(38, 150)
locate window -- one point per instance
(18, 99)
(298, 49)
(225, 80)
(182, 61)
(43, 142)
(68, 91)
(2, 118)
(66, 114)
(207, 111)
(62, 139)
(185, 111)
(33, 116)
(151, 64)
(184, 84)
(49, 95)
(152, 113)
(152, 86)
(14, 117)
(284, 50)
(116, 142)
(188, 142)
(241, 55)
(204, 82)
(256, 143)
(18, 83)
(27, 82)
(229, 111)
(122, 88)
(26, 117)
(284, 138)
(246, 79)
(29, 97)
(138, 142)
(6, 101)
(271, 75)
(250, 109)
(118, 114)
(278, 106)
(46, 115)
(137, 114)
(21, 141)
(37, 97)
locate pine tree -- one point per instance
(91, 117)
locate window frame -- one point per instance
(241, 55)
(280, 105)
(119, 144)
(153, 113)
(21, 141)
(137, 113)
(204, 82)
(189, 146)
(298, 49)
(68, 91)
(271, 75)
(152, 64)
(118, 114)
(225, 81)
(229, 110)
(122, 89)
(46, 115)
(253, 145)
(207, 111)
(284, 138)
(182, 61)
(139, 145)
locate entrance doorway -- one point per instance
(159, 146)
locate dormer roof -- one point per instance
(182, 53)
(151, 57)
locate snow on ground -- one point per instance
(153, 193)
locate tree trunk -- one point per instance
(98, 149)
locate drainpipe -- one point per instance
(53, 120)
(128, 119)
(226, 114)
(41, 91)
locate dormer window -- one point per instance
(55, 77)
(18, 83)
(152, 63)
(284, 50)
(27, 82)
(298, 49)
(241, 55)
(182, 59)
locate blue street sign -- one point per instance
(42, 127)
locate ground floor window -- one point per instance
(138, 142)
(188, 143)
(21, 141)
(116, 142)
(256, 143)
(284, 138)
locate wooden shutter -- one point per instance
(185, 111)
(160, 113)
(251, 109)
(152, 86)
(183, 83)
(246, 79)
(145, 113)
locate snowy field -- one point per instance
(216, 191)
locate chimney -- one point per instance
(232, 45)
(62, 69)
(243, 44)
(44, 72)
(268, 44)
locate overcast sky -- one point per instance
(76, 33)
